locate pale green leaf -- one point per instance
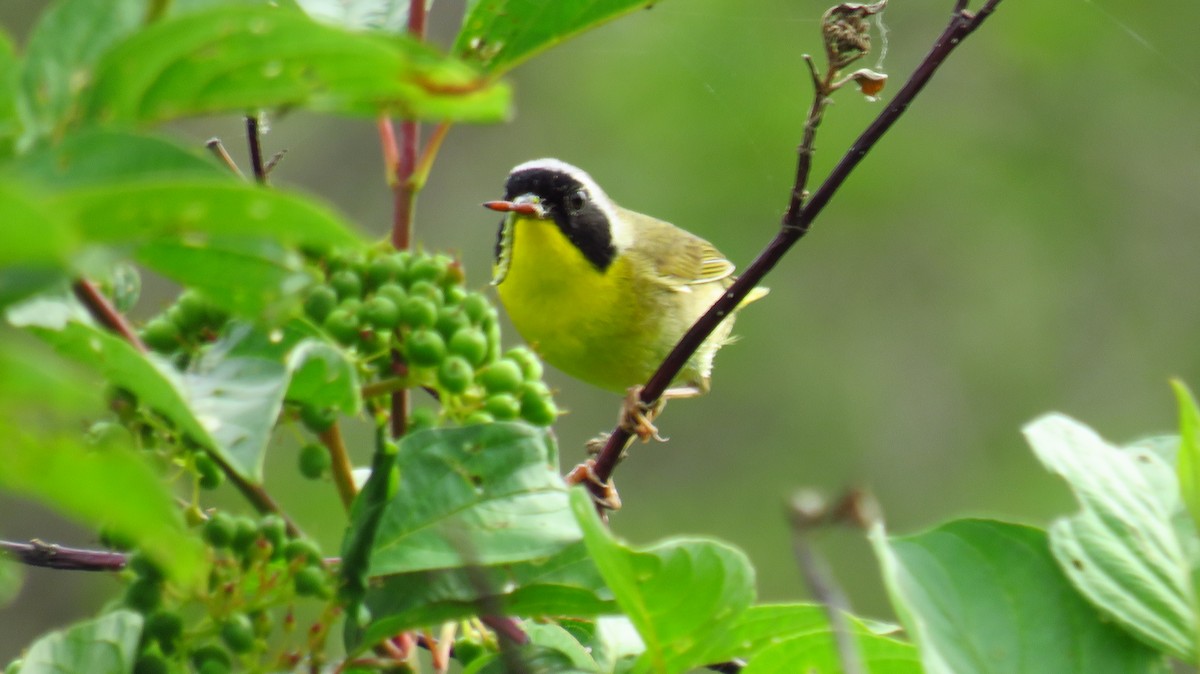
(980, 596)
(106, 645)
(36, 242)
(92, 157)
(1121, 550)
(61, 56)
(234, 59)
(480, 495)
(681, 594)
(499, 34)
(1188, 464)
(386, 15)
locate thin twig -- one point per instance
(341, 469)
(216, 147)
(254, 140)
(794, 225)
(52, 556)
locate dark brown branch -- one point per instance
(105, 313)
(51, 556)
(254, 140)
(796, 221)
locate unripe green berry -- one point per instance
(454, 295)
(342, 324)
(150, 663)
(383, 270)
(424, 346)
(144, 595)
(394, 292)
(347, 284)
(219, 530)
(424, 269)
(208, 471)
(537, 408)
(165, 627)
(211, 659)
(321, 301)
(274, 530)
(478, 417)
(503, 406)
(428, 290)
(501, 376)
(190, 313)
(317, 419)
(450, 320)
(245, 533)
(476, 306)
(422, 417)
(162, 335)
(455, 374)
(470, 343)
(418, 312)
(238, 633)
(302, 548)
(144, 567)
(531, 365)
(314, 460)
(310, 581)
(380, 312)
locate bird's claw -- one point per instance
(638, 417)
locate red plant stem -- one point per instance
(795, 224)
(105, 313)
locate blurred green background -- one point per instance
(1024, 240)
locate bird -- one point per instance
(602, 292)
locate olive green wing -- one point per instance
(680, 258)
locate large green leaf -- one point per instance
(106, 645)
(93, 157)
(1122, 550)
(225, 403)
(499, 34)
(256, 278)
(140, 212)
(233, 59)
(480, 495)
(61, 56)
(980, 596)
(34, 383)
(681, 594)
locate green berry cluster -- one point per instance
(258, 572)
(185, 325)
(409, 316)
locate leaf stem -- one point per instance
(341, 469)
(795, 224)
(254, 140)
(105, 313)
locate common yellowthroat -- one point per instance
(603, 293)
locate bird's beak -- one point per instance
(520, 206)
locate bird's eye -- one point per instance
(576, 201)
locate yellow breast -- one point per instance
(594, 325)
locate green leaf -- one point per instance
(61, 56)
(499, 34)
(323, 376)
(386, 15)
(1188, 466)
(35, 243)
(815, 654)
(987, 596)
(33, 383)
(106, 645)
(480, 495)
(256, 278)
(11, 575)
(92, 157)
(1121, 550)
(565, 584)
(110, 487)
(226, 404)
(680, 594)
(140, 212)
(234, 59)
